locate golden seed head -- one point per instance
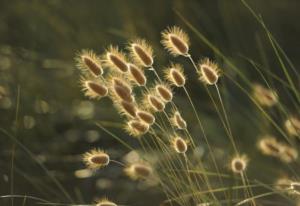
(264, 96)
(122, 83)
(93, 89)
(138, 171)
(122, 89)
(126, 108)
(137, 75)
(115, 59)
(141, 52)
(89, 62)
(174, 74)
(283, 183)
(295, 188)
(179, 145)
(239, 164)
(270, 146)
(164, 92)
(292, 126)
(146, 117)
(96, 159)
(105, 202)
(155, 103)
(175, 41)
(208, 72)
(288, 154)
(123, 94)
(178, 121)
(137, 128)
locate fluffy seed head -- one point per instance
(123, 94)
(292, 126)
(288, 154)
(122, 89)
(115, 59)
(137, 128)
(175, 41)
(145, 117)
(155, 103)
(93, 89)
(105, 202)
(283, 183)
(126, 108)
(138, 171)
(164, 92)
(137, 75)
(179, 145)
(175, 75)
(96, 159)
(178, 121)
(295, 187)
(121, 83)
(89, 62)
(208, 72)
(239, 164)
(264, 96)
(269, 146)
(141, 52)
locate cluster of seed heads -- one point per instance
(119, 76)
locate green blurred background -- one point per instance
(38, 43)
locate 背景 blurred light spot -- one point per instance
(92, 136)
(29, 122)
(85, 110)
(83, 173)
(41, 107)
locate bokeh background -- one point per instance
(42, 107)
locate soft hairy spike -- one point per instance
(268, 145)
(178, 121)
(88, 61)
(123, 94)
(175, 41)
(264, 96)
(288, 154)
(137, 75)
(145, 117)
(295, 188)
(179, 145)
(283, 183)
(122, 89)
(137, 128)
(122, 83)
(115, 59)
(141, 52)
(208, 72)
(174, 74)
(126, 108)
(93, 89)
(96, 159)
(155, 103)
(105, 202)
(292, 126)
(239, 164)
(138, 171)
(164, 92)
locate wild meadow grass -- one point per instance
(150, 114)
(172, 149)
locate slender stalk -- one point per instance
(227, 121)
